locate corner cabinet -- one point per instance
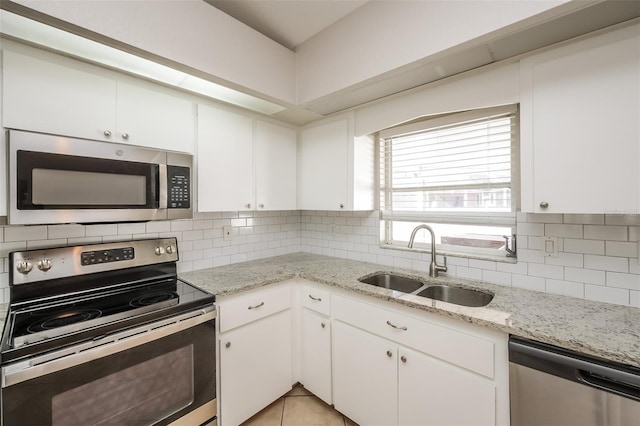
(580, 140)
(336, 169)
(244, 163)
(255, 351)
(70, 98)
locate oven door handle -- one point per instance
(45, 364)
(162, 187)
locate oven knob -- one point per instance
(44, 265)
(24, 267)
(159, 251)
(171, 249)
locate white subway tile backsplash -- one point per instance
(65, 231)
(565, 288)
(606, 232)
(606, 263)
(546, 271)
(101, 230)
(563, 230)
(573, 245)
(482, 264)
(581, 275)
(585, 219)
(528, 282)
(25, 233)
(622, 249)
(535, 229)
(468, 273)
(566, 259)
(132, 228)
(634, 298)
(632, 220)
(628, 281)
(521, 267)
(607, 294)
(543, 218)
(495, 277)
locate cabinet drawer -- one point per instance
(251, 306)
(316, 299)
(453, 346)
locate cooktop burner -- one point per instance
(150, 299)
(64, 318)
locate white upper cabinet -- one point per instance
(580, 143)
(335, 168)
(48, 97)
(244, 164)
(154, 119)
(66, 98)
(225, 160)
(275, 157)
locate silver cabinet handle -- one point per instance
(403, 358)
(323, 325)
(544, 204)
(389, 354)
(317, 299)
(404, 327)
(107, 133)
(256, 306)
(125, 135)
(227, 345)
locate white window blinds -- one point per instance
(453, 169)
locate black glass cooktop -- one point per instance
(40, 323)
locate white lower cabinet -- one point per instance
(316, 354)
(255, 354)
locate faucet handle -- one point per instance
(442, 268)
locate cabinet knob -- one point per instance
(125, 136)
(341, 206)
(261, 206)
(323, 325)
(227, 345)
(403, 358)
(107, 133)
(248, 205)
(389, 354)
(544, 204)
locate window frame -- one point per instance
(505, 219)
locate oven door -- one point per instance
(159, 374)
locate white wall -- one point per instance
(384, 35)
(190, 32)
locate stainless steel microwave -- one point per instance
(56, 179)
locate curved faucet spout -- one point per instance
(434, 268)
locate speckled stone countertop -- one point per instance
(599, 329)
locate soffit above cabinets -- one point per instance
(570, 20)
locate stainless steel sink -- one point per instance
(393, 282)
(457, 295)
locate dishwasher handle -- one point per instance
(598, 373)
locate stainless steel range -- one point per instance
(106, 334)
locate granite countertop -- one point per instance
(600, 329)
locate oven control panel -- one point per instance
(179, 188)
(60, 262)
(105, 256)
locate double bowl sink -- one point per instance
(444, 293)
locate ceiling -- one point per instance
(288, 22)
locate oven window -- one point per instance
(153, 389)
(64, 187)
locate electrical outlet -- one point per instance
(226, 233)
(550, 246)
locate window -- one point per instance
(457, 173)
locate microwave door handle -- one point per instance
(162, 196)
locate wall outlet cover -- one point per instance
(550, 246)
(226, 233)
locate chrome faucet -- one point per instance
(434, 268)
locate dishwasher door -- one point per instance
(553, 386)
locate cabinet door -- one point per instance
(275, 155)
(322, 165)
(432, 392)
(365, 385)
(316, 355)
(579, 121)
(255, 367)
(154, 119)
(225, 166)
(47, 97)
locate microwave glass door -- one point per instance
(58, 181)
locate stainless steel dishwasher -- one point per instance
(554, 386)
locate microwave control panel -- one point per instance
(179, 187)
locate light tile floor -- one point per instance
(299, 407)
